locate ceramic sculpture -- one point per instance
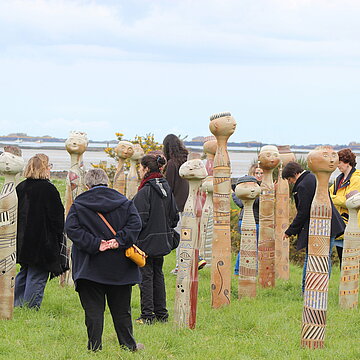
(210, 151)
(247, 191)
(187, 277)
(349, 281)
(124, 150)
(222, 126)
(206, 221)
(10, 165)
(132, 182)
(322, 161)
(269, 159)
(282, 209)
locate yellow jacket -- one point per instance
(352, 182)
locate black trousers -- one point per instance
(152, 290)
(93, 297)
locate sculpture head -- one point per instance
(11, 164)
(323, 159)
(193, 169)
(208, 184)
(76, 143)
(353, 200)
(222, 124)
(247, 188)
(269, 157)
(210, 147)
(124, 149)
(286, 155)
(138, 152)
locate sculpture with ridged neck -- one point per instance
(187, 277)
(124, 150)
(11, 163)
(222, 126)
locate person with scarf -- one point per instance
(157, 208)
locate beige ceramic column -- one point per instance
(349, 281)
(10, 165)
(282, 210)
(187, 277)
(268, 160)
(322, 161)
(124, 150)
(133, 176)
(210, 151)
(222, 127)
(247, 191)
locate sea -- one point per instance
(241, 158)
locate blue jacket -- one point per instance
(86, 230)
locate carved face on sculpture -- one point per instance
(269, 157)
(11, 164)
(76, 143)
(193, 169)
(210, 147)
(138, 152)
(323, 159)
(124, 149)
(353, 202)
(208, 185)
(247, 190)
(223, 126)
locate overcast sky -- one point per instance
(288, 70)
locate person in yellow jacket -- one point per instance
(347, 181)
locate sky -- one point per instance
(287, 70)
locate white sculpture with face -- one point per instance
(247, 190)
(76, 143)
(11, 164)
(269, 157)
(124, 149)
(193, 169)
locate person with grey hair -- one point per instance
(100, 268)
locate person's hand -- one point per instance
(113, 244)
(104, 245)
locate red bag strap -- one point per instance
(107, 223)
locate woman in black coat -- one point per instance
(159, 216)
(39, 232)
(101, 271)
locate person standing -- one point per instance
(157, 208)
(347, 181)
(101, 271)
(39, 232)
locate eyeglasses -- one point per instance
(258, 173)
(50, 166)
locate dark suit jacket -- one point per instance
(304, 191)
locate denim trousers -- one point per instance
(237, 262)
(30, 284)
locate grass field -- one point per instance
(266, 327)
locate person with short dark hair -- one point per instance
(346, 182)
(303, 191)
(157, 208)
(101, 271)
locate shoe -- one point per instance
(174, 271)
(162, 319)
(201, 264)
(142, 321)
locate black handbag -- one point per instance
(176, 239)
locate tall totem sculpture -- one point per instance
(247, 190)
(132, 182)
(282, 209)
(206, 221)
(322, 161)
(10, 165)
(124, 150)
(269, 159)
(187, 276)
(349, 281)
(76, 144)
(210, 151)
(222, 126)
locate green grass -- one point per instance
(267, 327)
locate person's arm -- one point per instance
(82, 239)
(142, 203)
(174, 212)
(54, 209)
(339, 199)
(237, 201)
(170, 174)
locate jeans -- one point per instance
(237, 262)
(332, 243)
(30, 284)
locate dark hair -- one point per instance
(174, 149)
(347, 156)
(153, 163)
(291, 169)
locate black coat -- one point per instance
(159, 215)
(40, 225)
(86, 230)
(304, 191)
